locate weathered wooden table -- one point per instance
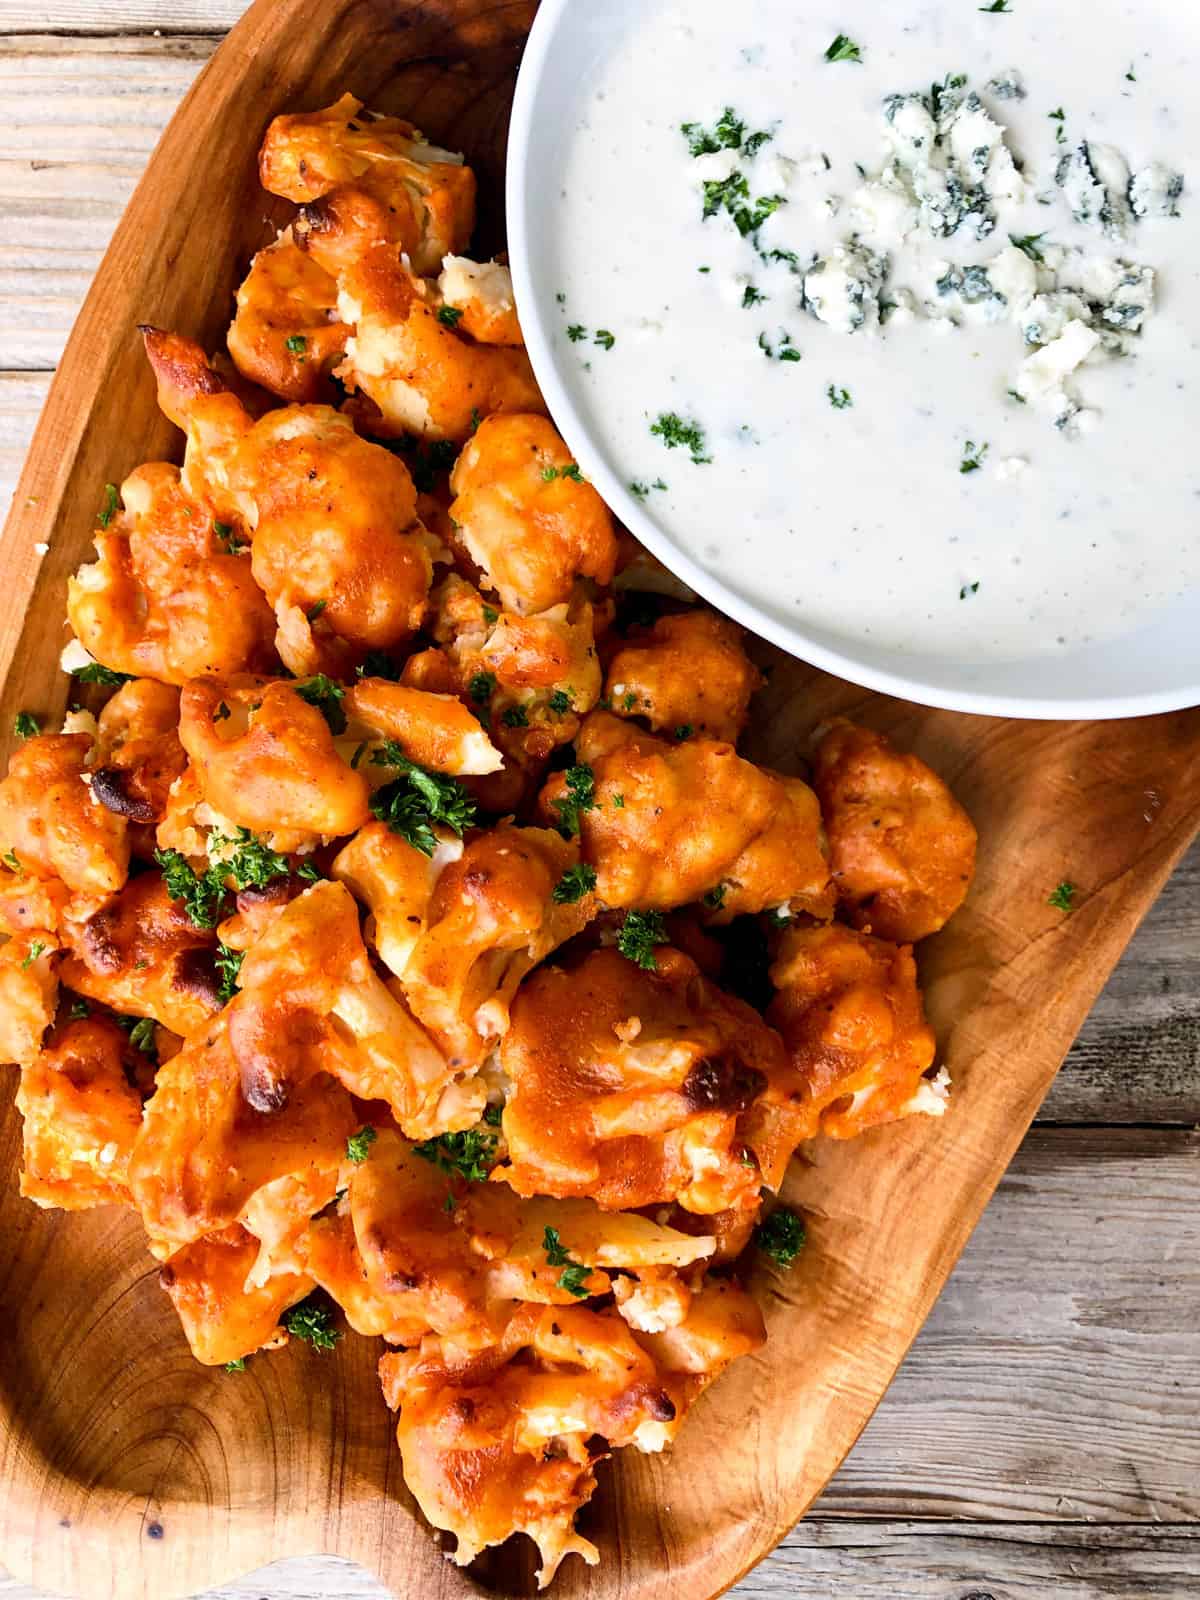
(1042, 1439)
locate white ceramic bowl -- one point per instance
(1155, 668)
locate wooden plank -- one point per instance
(81, 118)
(1058, 1376)
(119, 16)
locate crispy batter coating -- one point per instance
(434, 730)
(674, 821)
(631, 1086)
(421, 375)
(395, 881)
(532, 529)
(164, 598)
(723, 1322)
(285, 334)
(482, 293)
(30, 905)
(492, 918)
(851, 1016)
(309, 992)
(138, 755)
(82, 1114)
(428, 193)
(52, 823)
(223, 1319)
(28, 993)
(142, 954)
(266, 760)
(204, 1151)
(687, 671)
(903, 849)
(337, 547)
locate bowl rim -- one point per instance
(567, 417)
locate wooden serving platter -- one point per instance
(127, 1472)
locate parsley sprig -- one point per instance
(580, 797)
(728, 133)
(575, 883)
(470, 1154)
(640, 933)
(312, 1322)
(781, 1236)
(416, 800)
(574, 1274)
(681, 433)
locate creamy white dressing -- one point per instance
(835, 495)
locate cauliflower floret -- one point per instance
(285, 334)
(82, 1115)
(223, 1319)
(419, 375)
(164, 598)
(527, 517)
(142, 954)
(482, 292)
(265, 759)
(429, 194)
(851, 1016)
(630, 1085)
(902, 848)
(494, 915)
(52, 825)
(138, 755)
(688, 671)
(664, 823)
(432, 730)
(28, 993)
(395, 881)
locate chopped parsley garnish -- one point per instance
(1028, 245)
(314, 612)
(224, 532)
(781, 1236)
(641, 490)
(679, 433)
(1019, 398)
(577, 333)
(80, 1011)
(784, 351)
(605, 339)
(685, 730)
(732, 194)
(200, 893)
(619, 801)
(493, 1115)
(973, 457)
(12, 861)
(573, 472)
(1131, 75)
(252, 864)
(296, 344)
(715, 898)
(222, 713)
(839, 399)
(729, 133)
(449, 316)
(313, 1323)
(229, 965)
(481, 688)
(843, 49)
(751, 297)
(574, 1274)
(378, 665)
(26, 725)
(327, 696)
(476, 421)
(575, 883)
(112, 504)
(417, 799)
(998, 7)
(93, 672)
(1059, 116)
(141, 1034)
(515, 717)
(580, 797)
(236, 1366)
(560, 703)
(968, 589)
(1063, 897)
(640, 933)
(358, 1145)
(630, 701)
(470, 1154)
(36, 949)
(491, 616)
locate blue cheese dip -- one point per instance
(891, 315)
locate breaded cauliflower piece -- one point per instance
(527, 517)
(265, 759)
(687, 671)
(338, 549)
(665, 822)
(428, 193)
(495, 913)
(902, 848)
(52, 825)
(138, 755)
(631, 1086)
(482, 294)
(850, 1013)
(395, 881)
(82, 1114)
(421, 375)
(285, 334)
(223, 1318)
(432, 730)
(140, 953)
(164, 598)
(28, 993)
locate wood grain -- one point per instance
(128, 1472)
